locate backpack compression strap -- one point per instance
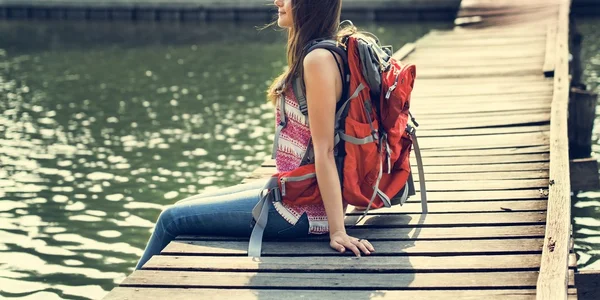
(423, 190)
(260, 213)
(298, 85)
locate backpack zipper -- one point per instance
(393, 87)
(283, 180)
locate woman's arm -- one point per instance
(323, 87)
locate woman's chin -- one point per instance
(282, 23)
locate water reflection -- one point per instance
(586, 208)
(102, 125)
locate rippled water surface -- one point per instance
(586, 210)
(102, 125)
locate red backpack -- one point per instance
(372, 135)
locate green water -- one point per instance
(586, 208)
(103, 124)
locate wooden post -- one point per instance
(584, 174)
(576, 39)
(588, 285)
(582, 112)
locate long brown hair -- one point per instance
(312, 19)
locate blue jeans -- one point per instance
(226, 212)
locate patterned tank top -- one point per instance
(294, 141)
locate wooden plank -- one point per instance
(481, 97)
(373, 263)
(430, 233)
(424, 102)
(471, 116)
(128, 293)
(469, 109)
(553, 279)
(513, 81)
(451, 219)
(473, 160)
(524, 279)
(486, 41)
(484, 196)
(483, 141)
(456, 207)
(465, 54)
(318, 248)
(440, 62)
(539, 166)
(324, 281)
(491, 52)
(488, 176)
(512, 92)
(543, 149)
(482, 33)
(406, 50)
(485, 168)
(484, 185)
(473, 176)
(475, 122)
(550, 57)
(477, 71)
(263, 173)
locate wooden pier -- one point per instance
(491, 98)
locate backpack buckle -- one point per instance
(410, 129)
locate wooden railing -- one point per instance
(554, 275)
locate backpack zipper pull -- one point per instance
(282, 187)
(392, 88)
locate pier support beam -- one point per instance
(588, 285)
(582, 112)
(584, 174)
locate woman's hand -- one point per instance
(340, 241)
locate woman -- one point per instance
(228, 212)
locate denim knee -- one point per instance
(165, 220)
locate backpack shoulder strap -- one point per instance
(298, 84)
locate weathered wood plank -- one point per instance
(486, 152)
(265, 172)
(550, 57)
(321, 248)
(469, 168)
(127, 293)
(487, 176)
(431, 233)
(406, 50)
(453, 91)
(490, 41)
(553, 280)
(373, 263)
(484, 195)
(501, 130)
(525, 279)
(484, 185)
(432, 109)
(440, 63)
(485, 168)
(414, 206)
(452, 219)
(475, 160)
(483, 121)
(478, 71)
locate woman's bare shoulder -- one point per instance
(319, 60)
